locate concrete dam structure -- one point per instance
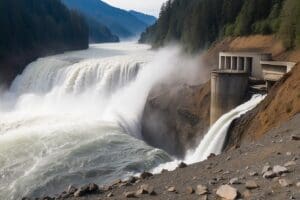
(239, 73)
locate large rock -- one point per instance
(227, 192)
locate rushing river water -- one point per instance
(74, 118)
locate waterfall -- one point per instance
(74, 118)
(214, 139)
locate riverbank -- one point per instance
(241, 168)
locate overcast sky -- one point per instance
(151, 7)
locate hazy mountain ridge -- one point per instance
(121, 22)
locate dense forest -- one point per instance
(33, 28)
(198, 23)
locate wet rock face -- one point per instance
(176, 119)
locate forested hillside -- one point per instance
(32, 28)
(198, 23)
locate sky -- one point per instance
(151, 7)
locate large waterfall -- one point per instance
(74, 118)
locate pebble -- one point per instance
(288, 153)
(290, 163)
(280, 169)
(110, 195)
(145, 175)
(227, 192)
(251, 185)
(253, 174)
(295, 137)
(234, 181)
(71, 189)
(190, 190)
(298, 184)
(266, 168)
(201, 190)
(246, 194)
(269, 174)
(172, 189)
(285, 182)
(129, 194)
(182, 165)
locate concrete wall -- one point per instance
(228, 90)
(243, 62)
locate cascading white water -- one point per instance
(214, 139)
(74, 118)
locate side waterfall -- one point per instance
(214, 140)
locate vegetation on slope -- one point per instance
(198, 23)
(31, 28)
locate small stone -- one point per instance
(82, 191)
(212, 155)
(285, 182)
(269, 174)
(116, 182)
(288, 153)
(129, 194)
(204, 197)
(266, 168)
(234, 181)
(227, 192)
(228, 158)
(246, 194)
(93, 187)
(71, 189)
(201, 190)
(280, 169)
(182, 165)
(141, 191)
(110, 195)
(190, 190)
(298, 184)
(290, 163)
(145, 175)
(253, 174)
(251, 185)
(295, 137)
(132, 179)
(172, 189)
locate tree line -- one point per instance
(198, 23)
(32, 28)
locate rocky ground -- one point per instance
(266, 169)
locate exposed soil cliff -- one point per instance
(179, 117)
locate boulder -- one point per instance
(227, 192)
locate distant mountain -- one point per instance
(121, 22)
(99, 33)
(148, 19)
